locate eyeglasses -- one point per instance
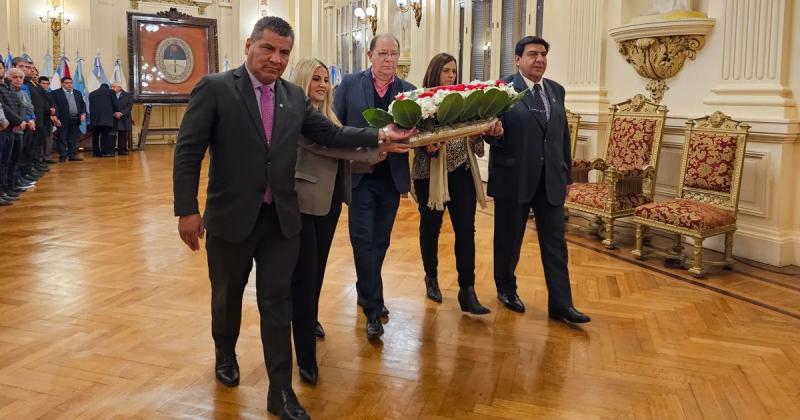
(391, 55)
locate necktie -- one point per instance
(267, 116)
(538, 101)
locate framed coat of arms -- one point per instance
(169, 52)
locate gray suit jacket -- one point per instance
(531, 147)
(223, 116)
(319, 168)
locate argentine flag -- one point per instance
(9, 58)
(117, 76)
(98, 75)
(47, 65)
(79, 84)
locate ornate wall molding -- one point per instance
(201, 6)
(658, 50)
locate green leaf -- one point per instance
(378, 118)
(407, 113)
(515, 100)
(493, 102)
(472, 105)
(450, 109)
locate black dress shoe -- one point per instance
(284, 404)
(309, 376)
(469, 302)
(76, 158)
(62, 160)
(227, 369)
(318, 331)
(569, 315)
(511, 301)
(384, 310)
(50, 161)
(123, 153)
(374, 329)
(432, 289)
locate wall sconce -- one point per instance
(369, 15)
(416, 5)
(56, 19)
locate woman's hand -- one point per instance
(495, 130)
(433, 148)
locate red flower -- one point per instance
(426, 95)
(500, 82)
(399, 97)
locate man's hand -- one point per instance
(433, 148)
(496, 130)
(32, 125)
(83, 117)
(191, 230)
(117, 115)
(393, 147)
(396, 134)
(57, 122)
(22, 125)
(52, 111)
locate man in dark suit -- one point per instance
(251, 119)
(529, 168)
(123, 122)
(70, 113)
(376, 189)
(102, 113)
(29, 168)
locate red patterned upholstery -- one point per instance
(710, 162)
(594, 195)
(631, 142)
(581, 163)
(687, 214)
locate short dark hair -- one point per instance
(64, 79)
(434, 72)
(520, 48)
(274, 24)
(15, 62)
(43, 79)
(375, 39)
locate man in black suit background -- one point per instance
(102, 116)
(251, 119)
(529, 168)
(70, 113)
(123, 122)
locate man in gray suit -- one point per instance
(251, 119)
(529, 168)
(122, 119)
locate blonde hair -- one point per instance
(301, 76)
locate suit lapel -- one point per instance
(281, 104)
(367, 87)
(555, 104)
(246, 90)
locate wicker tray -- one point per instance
(457, 131)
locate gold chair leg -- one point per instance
(729, 250)
(609, 240)
(697, 265)
(640, 230)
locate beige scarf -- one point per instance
(439, 193)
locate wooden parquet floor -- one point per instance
(105, 314)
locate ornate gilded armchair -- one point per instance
(574, 122)
(635, 128)
(708, 192)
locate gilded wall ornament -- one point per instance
(201, 7)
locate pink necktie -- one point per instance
(267, 115)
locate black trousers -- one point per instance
(229, 265)
(13, 160)
(122, 141)
(316, 238)
(28, 154)
(6, 146)
(462, 215)
(370, 219)
(510, 218)
(68, 137)
(102, 143)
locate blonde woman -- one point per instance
(322, 182)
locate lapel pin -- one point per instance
(280, 105)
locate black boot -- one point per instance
(469, 301)
(432, 289)
(226, 368)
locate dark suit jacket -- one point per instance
(40, 103)
(59, 98)
(355, 94)
(529, 144)
(102, 106)
(223, 115)
(12, 107)
(125, 106)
